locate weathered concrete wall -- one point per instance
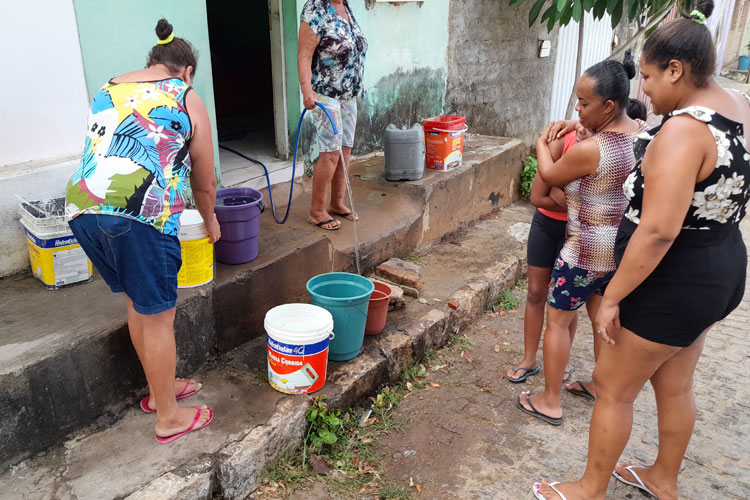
(405, 69)
(494, 75)
(113, 48)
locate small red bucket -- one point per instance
(444, 141)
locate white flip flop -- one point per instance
(537, 487)
(640, 484)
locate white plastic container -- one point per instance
(298, 338)
(56, 258)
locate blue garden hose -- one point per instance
(294, 162)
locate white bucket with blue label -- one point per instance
(297, 347)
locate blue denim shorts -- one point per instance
(571, 287)
(133, 258)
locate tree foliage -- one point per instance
(561, 12)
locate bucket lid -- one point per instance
(295, 322)
(450, 122)
(191, 225)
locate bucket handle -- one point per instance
(465, 129)
(262, 207)
(332, 336)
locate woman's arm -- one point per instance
(202, 175)
(580, 160)
(558, 129)
(544, 196)
(308, 42)
(670, 167)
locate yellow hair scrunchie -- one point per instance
(698, 16)
(171, 37)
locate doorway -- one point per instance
(242, 61)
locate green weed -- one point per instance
(393, 491)
(508, 300)
(461, 342)
(527, 176)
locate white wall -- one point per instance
(43, 97)
(597, 46)
(43, 110)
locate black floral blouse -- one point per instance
(339, 60)
(721, 199)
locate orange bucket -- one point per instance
(444, 141)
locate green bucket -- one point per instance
(346, 296)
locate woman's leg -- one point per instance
(153, 339)
(592, 308)
(556, 355)
(533, 320)
(325, 168)
(622, 370)
(338, 185)
(675, 404)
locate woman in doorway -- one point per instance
(147, 132)
(592, 172)
(331, 58)
(687, 194)
(546, 238)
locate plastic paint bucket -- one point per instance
(238, 211)
(346, 296)
(56, 258)
(298, 339)
(444, 141)
(197, 253)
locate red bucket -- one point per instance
(444, 141)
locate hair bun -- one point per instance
(163, 29)
(629, 64)
(705, 7)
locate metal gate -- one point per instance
(597, 46)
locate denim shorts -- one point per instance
(571, 287)
(132, 257)
(344, 114)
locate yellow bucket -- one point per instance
(197, 263)
(197, 253)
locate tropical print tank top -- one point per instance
(596, 204)
(135, 162)
(720, 200)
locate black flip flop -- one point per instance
(582, 393)
(347, 215)
(536, 413)
(527, 372)
(323, 223)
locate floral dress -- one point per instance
(339, 60)
(701, 279)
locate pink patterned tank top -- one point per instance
(596, 204)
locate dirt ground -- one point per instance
(459, 435)
(463, 438)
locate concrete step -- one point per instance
(253, 422)
(66, 362)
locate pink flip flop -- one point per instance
(181, 395)
(174, 437)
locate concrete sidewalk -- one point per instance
(253, 422)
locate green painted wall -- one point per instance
(405, 69)
(116, 37)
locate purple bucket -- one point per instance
(238, 211)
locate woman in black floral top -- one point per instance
(331, 62)
(681, 259)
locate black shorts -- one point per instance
(546, 239)
(699, 281)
